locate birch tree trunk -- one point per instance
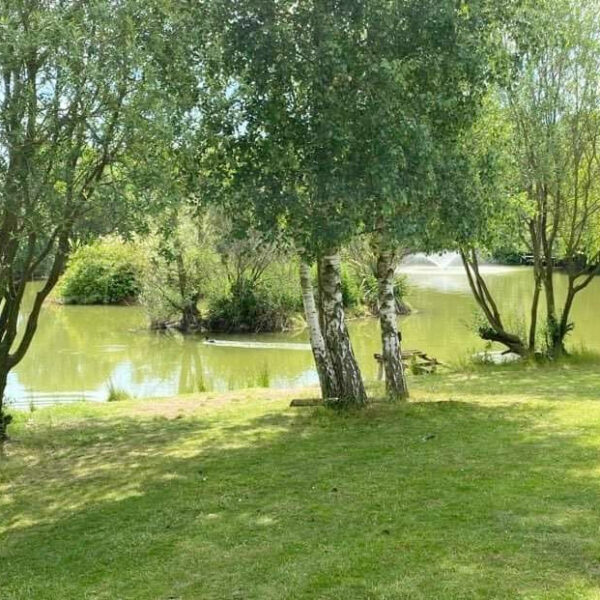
(351, 388)
(325, 370)
(395, 379)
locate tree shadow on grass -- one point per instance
(421, 500)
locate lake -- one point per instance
(79, 351)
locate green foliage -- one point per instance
(244, 284)
(85, 104)
(260, 290)
(360, 290)
(480, 204)
(107, 271)
(507, 255)
(116, 394)
(360, 267)
(182, 268)
(531, 163)
(21, 266)
(342, 111)
(269, 304)
(352, 292)
(370, 292)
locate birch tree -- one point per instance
(325, 122)
(435, 87)
(291, 75)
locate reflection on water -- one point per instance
(79, 350)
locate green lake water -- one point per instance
(79, 351)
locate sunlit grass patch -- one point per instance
(484, 485)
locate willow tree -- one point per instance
(78, 88)
(552, 112)
(555, 111)
(480, 174)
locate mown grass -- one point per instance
(485, 485)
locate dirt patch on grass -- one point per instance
(181, 406)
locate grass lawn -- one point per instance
(485, 485)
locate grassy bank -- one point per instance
(485, 485)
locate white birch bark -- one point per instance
(350, 385)
(325, 370)
(395, 379)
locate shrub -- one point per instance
(107, 271)
(369, 289)
(269, 304)
(508, 256)
(351, 288)
(359, 280)
(360, 290)
(116, 394)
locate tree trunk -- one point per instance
(5, 419)
(11, 299)
(190, 316)
(564, 326)
(351, 388)
(512, 342)
(395, 380)
(555, 339)
(320, 296)
(533, 315)
(327, 378)
(494, 331)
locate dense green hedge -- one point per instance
(105, 272)
(508, 256)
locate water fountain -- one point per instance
(442, 271)
(441, 260)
